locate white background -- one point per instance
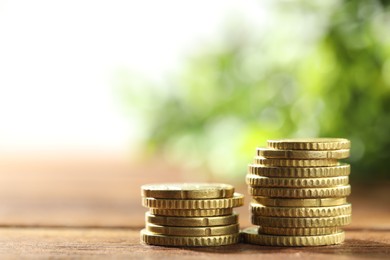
(58, 60)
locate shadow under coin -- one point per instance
(351, 247)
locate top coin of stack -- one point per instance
(190, 214)
(299, 192)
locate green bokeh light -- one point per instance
(332, 81)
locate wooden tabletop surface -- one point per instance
(90, 207)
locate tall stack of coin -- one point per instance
(197, 214)
(299, 191)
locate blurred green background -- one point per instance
(317, 69)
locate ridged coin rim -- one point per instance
(191, 212)
(336, 221)
(192, 221)
(315, 202)
(343, 169)
(162, 240)
(339, 191)
(187, 190)
(295, 162)
(300, 212)
(298, 231)
(250, 235)
(310, 144)
(236, 201)
(262, 181)
(193, 231)
(302, 154)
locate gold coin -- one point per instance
(300, 212)
(310, 144)
(236, 201)
(187, 191)
(261, 181)
(340, 191)
(300, 172)
(295, 162)
(318, 202)
(191, 212)
(191, 221)
(193, 231)
(163, 240)
(302, 154)
(299, 231)
(250, 235)
(301, 222)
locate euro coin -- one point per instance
(339, 191)
(261, 181)
(295, 162)
(190, 241)
(302, 154)
(299, 231)
(193, 231)
(187, 191)
(250, 235)
(318, 202)
(300, 212)
(191, 221)
(310, 144)
(191, 212)
(236, 201)
(336, 221)
(342, 169)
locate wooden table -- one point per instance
(91, 208)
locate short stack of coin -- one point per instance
(299, 191)
(190, 214)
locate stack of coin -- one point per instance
(197, 214)
(299, 191)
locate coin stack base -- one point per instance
(253, 236)
(190, 215)
(299, 191)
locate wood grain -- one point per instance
(51, 207)
(124, 243)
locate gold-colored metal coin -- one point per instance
(163, 240)
(302, 154)
(261, 181)
(318, 202)
(300, 172)
(301, 222)
(191, 221)
(250, 235)
(299, 231)
(310, 144)
(236, 201)
(193, 231)
(339, 191)
(300, 212)
(187, 191)
(295, 162)
(191, 212)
